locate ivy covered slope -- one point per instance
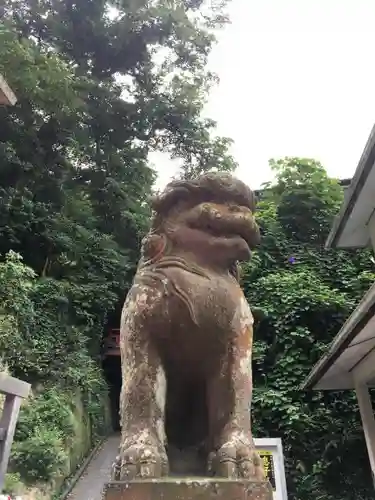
(99, 86)
(301, 295)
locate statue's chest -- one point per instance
(215, 303)
(202, 319)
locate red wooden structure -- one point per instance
(112, 343)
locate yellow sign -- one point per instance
(268, 466)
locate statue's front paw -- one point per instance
(116, 469)
(142, 459)
(236, 458)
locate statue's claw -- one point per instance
(140, 459)
(236, 458)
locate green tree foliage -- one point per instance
(100, 85)
(302, 294)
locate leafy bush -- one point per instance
(40, 457)
(40, 344)
(302, 294)
(50, 407)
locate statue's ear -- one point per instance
(153, 247)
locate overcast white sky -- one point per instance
(297, 78)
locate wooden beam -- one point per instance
(7, 96)
(15, 390)
(371, 229)
(368, 422)
(364, 371)
(8, 424)
(14, 386)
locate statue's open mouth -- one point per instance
(232, 233)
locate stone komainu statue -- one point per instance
(186, 337)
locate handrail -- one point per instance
(14, 390)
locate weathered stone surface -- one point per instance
(193, 489)
(186, 338)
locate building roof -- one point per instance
(349, 229)
(7, 96)
(351, 346)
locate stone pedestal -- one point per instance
(187, 489)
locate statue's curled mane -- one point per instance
(157, 250)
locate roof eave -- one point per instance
(361, 174)
(356, 321)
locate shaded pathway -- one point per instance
(98, 472)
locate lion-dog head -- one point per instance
(207, 221)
